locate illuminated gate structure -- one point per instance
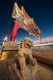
(22, 20)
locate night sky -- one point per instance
(40, 10)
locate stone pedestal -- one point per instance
(9, 50)
(29, 73)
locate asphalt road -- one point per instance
(44, 56)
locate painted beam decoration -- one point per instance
(25, 22)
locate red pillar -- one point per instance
(40, 41)
(14, 32)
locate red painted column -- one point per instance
(14, 32)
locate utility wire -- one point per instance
(8, 12)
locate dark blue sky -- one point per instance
(40, 10)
